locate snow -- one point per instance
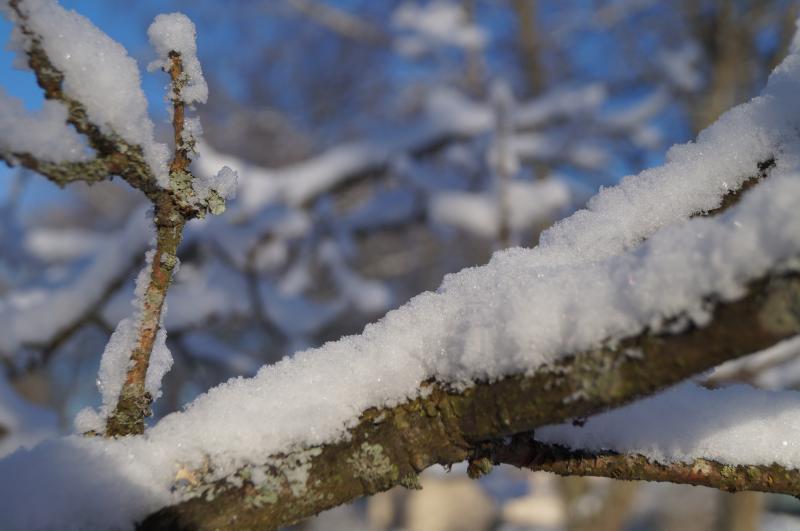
(645, 108)
(174, 32)
(449, 115)
(777, 367)
(736, 425)
(160, 363)
(367, 296)
(44, 135)
(692, 180)
(681, 66)
(562, 102)
(97, 72)
(60, 244)
(114, 366)
(224, 182)
(475, 213)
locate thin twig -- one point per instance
(524, 452)
(134, 401)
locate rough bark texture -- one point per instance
(391, 446)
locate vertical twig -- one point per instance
(134, 401)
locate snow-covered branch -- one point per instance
(390, 446)
(525, 452)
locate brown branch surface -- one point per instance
(134, 401)
(391, 446)
(181, 159)
(524, 452)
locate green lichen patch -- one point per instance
(371, 465)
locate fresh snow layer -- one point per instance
(736, 425)
(174, 32)
(44, 135)
(97, 72)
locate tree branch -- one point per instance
(391, 446)
(114, 155)
(525, 452)
(61, 173)
(118, 156)
(134, 401)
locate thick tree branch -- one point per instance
(525, 452)
(391, 446)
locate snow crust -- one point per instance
(44, 135)
(174, 32)
(97, 72)
(736, 425)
